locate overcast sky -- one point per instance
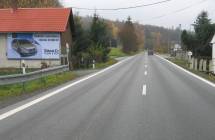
(150, 14)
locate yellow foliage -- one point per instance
(30, 3)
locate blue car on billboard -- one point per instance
(25, 47)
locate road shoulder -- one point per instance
(188, 71)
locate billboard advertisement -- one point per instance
(33, 46)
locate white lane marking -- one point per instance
(188, 72)
(29, 104)
(144, 90)
(146, 66)
(145, 73)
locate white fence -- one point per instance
(203, 65)
(200, 64)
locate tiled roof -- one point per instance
(34, 19)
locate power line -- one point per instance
(180, 10)
(121, 8)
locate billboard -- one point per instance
(33, 46)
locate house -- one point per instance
(176, 50)
(35, 35)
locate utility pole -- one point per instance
(180, 34)
(213, 53)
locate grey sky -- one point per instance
(146, 15)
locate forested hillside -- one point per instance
(30, 3)
(160, 38)
(149, 36)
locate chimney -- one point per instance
(14, 5)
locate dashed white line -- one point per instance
(144, 90)
(146, 66)
(145, 73)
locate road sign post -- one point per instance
(94, 66)
(23, 67)
(189, 54)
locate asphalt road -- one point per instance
(143, 98)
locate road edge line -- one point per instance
(50, 94)
(188, 72)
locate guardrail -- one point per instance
(21, 78)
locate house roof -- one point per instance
(213, 40)
(34, 19)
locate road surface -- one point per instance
(142, 98)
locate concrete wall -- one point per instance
(5, 63)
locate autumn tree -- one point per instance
(30, 3)
(128, 37)
(139, 29)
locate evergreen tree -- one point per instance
(188, 40)
(100, 37)
(204, 33)
(199, 41)
(81, 44)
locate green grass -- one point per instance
(180, 62)
(184, 64)
(110, 62)
(117, 52)
(14, 90)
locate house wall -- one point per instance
(66, 37)
(5, 63)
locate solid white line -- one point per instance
(188, 72)
(144, 90)
(29, 104)
(145, 73)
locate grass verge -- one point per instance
(14, 90)
(184, 64)
(110, 62)
(117, 52)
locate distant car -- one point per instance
(150, 52)
(25, 47)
